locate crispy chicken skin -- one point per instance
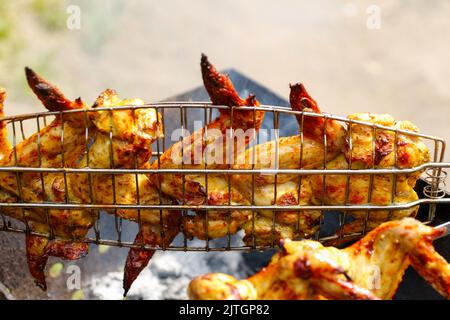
(359, 190)
(128, 146)
(305, 151)
(367, 148)
(212, 139)
(371, 268)
(410, 150)
(290, 153)
(270, 227)
(222, 92)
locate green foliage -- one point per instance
(50, 13)
(55, 270)
(7, 43)
(5, 21)
(21, 23)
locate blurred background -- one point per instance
(151, 49)
(353, 56)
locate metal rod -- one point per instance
(222, 207)
(304, 172)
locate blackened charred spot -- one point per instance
(302, 268)
(383, 147)
(67, 250)
(347, 276)
(370, 246)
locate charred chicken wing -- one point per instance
(371, 268)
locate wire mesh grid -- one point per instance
(178, 114)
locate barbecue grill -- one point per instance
(434, 174)
(181, 115)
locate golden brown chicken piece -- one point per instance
(122, 139)
(305, 151)
(359, 190)
(46, 149)
(374, 148)
(269, 227)
(371, 268)
(212, 143)
(131, 132)
(290, 153)
(317, 128)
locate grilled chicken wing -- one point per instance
(133, 132)
(119, 139)
(212, 143)
(379, 148)
(290, 153)
(45, 149)
(269, 227)
(306, 151)
(371, 268)
(122, 139)
(366, 148)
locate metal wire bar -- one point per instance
(184, 211)
(277, 146)
(303, 172)
(353, 207)
(41, 175)
(230, 161)
(205, 118)
(300, 165)
(253, 182)
(117, 219)
(18, 176)
(343, 215)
